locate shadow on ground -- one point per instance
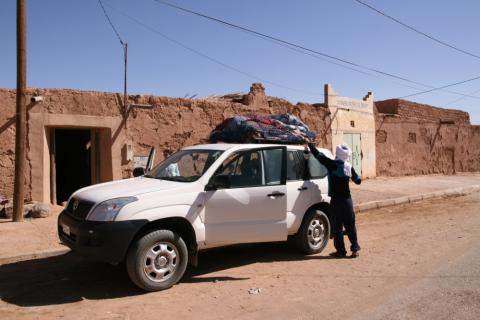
(70, 278)
(240, 255)
(62, 279)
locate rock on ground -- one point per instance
(40, 210)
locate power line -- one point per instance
(125, 55)
(304, 50)
(337, 63)
(310, 54)
(417, 31)
(440, 88)
(205, 56)
(346, 67)
(248, 74)
(110, 22)
(461, 98)
(289, 44)
(151, 29)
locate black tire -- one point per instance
(157, 260)
(314, 233)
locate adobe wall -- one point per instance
(60, 107)
(409, 138)
(170, 125)
(176, 122)
(413, 110)
(416, 139)
(7, 142)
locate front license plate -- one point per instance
(65, 229)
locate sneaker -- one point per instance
(355, 254)
(337, 254)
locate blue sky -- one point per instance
(71, 45)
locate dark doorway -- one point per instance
(72, 161)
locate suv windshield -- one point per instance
(185, 165)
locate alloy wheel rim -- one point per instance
(316, 233)
(160, 261)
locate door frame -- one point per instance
(39, 141)
(100, 157)
(53, 158)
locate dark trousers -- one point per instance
(343, 216)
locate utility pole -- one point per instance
(125, 99)
(125, 58)
(21, 113)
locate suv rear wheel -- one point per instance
(313, 235)
(157, 260)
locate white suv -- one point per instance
(201, 197)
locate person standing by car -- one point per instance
(340, 171)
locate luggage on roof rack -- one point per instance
(251, 128)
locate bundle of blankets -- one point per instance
(282, 128)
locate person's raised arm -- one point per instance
(327, 162)
(355, 177)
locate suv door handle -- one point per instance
(276, 194)
(302, 188)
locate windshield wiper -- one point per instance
(177, 179)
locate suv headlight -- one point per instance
(108, 210)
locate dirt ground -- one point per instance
(419, 261)
(37, 234)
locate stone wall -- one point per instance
(171, 124)
(416, 139)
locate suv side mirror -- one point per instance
(138, 171)
(218, 182)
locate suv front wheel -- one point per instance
(313, 235)
(157, 260)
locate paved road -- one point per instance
(419, 261)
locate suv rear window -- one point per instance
(295, 166)
(316, 169)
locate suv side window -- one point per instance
(315, 168)
(273, 159)
(253, 168)
(244, 169)
(294, 167)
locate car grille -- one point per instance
(79, 209)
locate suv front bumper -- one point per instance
(105, 241)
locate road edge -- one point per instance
(455, 192)
(33, 255)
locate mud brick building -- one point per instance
(352, 122)
(78, 138)
(413, 138)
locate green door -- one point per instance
(353, 140)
